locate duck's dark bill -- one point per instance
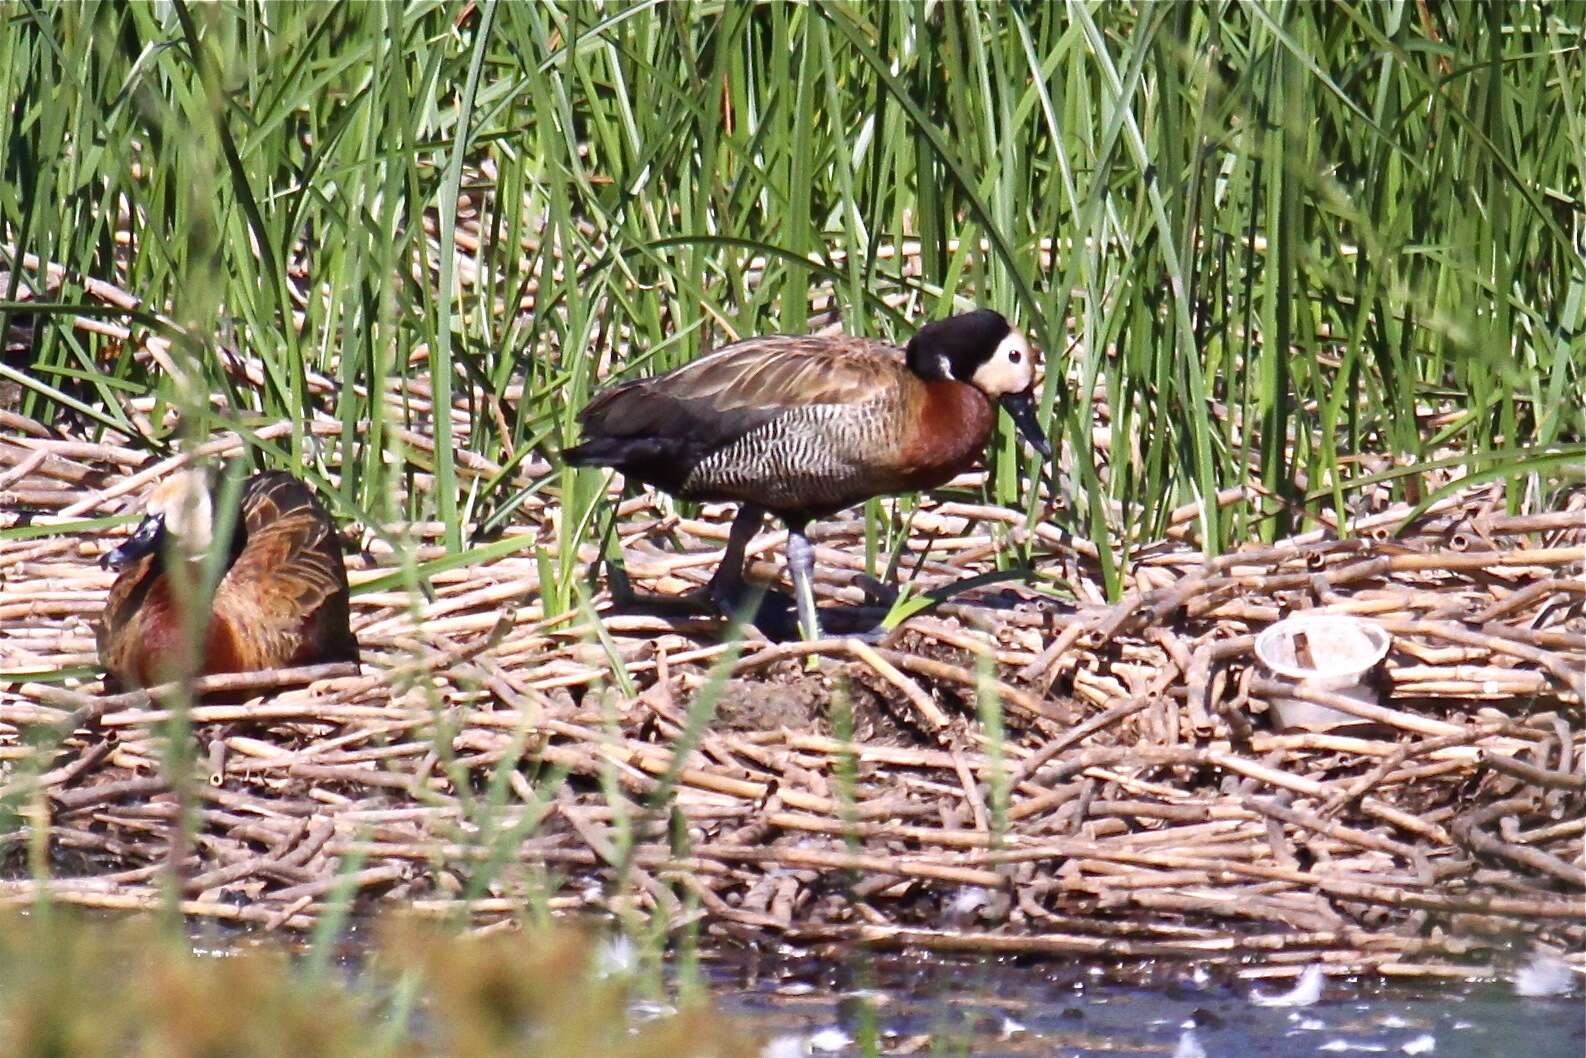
(1021, 406)
(143, 540)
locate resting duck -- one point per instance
(281, 601)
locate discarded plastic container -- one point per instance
(1325, 652)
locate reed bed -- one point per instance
(1009, 772)
(398, 263)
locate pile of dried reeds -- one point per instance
(1020, 775)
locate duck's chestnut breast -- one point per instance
(946, 433)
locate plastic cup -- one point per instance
(1326, 652)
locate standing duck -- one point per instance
(802, 427)
(281, 601)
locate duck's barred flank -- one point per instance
(816, 455)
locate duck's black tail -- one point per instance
(602, 452)
(664, 462)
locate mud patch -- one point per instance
(807, 702)
(798, 704)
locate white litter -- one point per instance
(1189, 1046)
(1306, 991)
(1545, 975)
(832, 1039)
(785, 1047)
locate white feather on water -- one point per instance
(968, 900)
(616, 956)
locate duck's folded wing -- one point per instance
(724, 394)
(288, 581)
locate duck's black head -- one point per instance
(983, 349)
(179, 510)
(954, 348)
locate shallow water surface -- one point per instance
(998, 1010)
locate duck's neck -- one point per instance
(951, 428)
(183, 572)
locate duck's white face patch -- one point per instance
(1009, 369)
(183, 501)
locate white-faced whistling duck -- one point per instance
(805, 426)
(281, 601)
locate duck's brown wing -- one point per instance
(285, 595)
(657, 429)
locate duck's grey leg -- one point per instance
(726, 587)
(801, 565)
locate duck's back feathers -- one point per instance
(287, 588)
(781, 371)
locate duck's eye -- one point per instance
(1014, 355)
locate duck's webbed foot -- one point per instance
(726, 596)
(625, 600)
(862, 622)
(776, 615)
(859, 622)
(769, 610)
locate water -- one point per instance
(848, 1002)
(1002, 1010)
